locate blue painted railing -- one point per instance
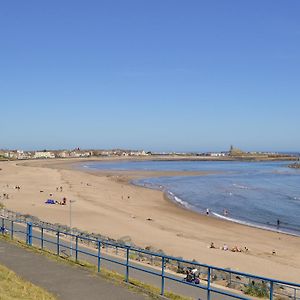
(275, 288)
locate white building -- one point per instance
(63, 154)
(11, 155)
(138, 153)
(217, 154)
(23, 155)
(43, 154)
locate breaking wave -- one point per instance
(260, 226)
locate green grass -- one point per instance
(14, 287)
(133, 284)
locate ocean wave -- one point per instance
(239, 186)
(162, 188)
(178, 200)
(293, 198)
(265, 227)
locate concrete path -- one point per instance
(179, 288)
(66, 282)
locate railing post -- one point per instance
(271, 290)
(29, 234)
(76, 249)
(2, 226)
(12, 230)
(127, 264)
(208, 283)
(99, 256)
(42, 237)
(57, 243)
(162, 291)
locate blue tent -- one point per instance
(50, 201)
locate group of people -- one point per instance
(51, 201)
(63, 202)
(5, 196)
(192, 276)
(226, 248)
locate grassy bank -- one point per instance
(14, 287)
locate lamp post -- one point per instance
(70, 211)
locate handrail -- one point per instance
(163, 273)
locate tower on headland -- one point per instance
(235, 151)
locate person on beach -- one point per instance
(236, 249)
(212, 245)
(225, 247)
(207, 211)
(278, 223)
(189, 276)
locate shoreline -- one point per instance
(108, 204)
(182, 204)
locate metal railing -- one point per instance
(212, 280)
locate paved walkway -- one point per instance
(66, 282)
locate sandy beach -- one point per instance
(107, 204)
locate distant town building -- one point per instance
(137, 153)
(23, 155)
(44, 154)
(10, 155)
(217, 154)
(63, 154)
(78, 153)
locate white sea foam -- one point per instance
(252, 224)
(181, 202)
(239, 186)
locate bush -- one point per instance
(257, 289)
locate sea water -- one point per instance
(262, 194)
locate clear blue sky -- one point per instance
(154, 75)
